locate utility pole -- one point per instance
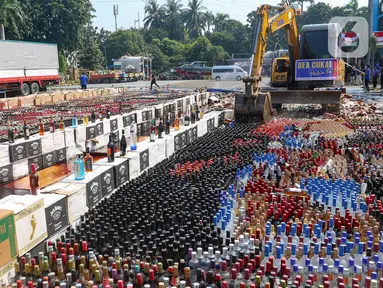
(370, 23)
(115, 13)
(137, 21)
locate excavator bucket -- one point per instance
(251, 108)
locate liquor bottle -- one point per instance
(160, 129)
(34, 181)
(197, 113)
(88, 160)
(192, 117)
(201, 113)
(61, 125)
(74, 122)
(108, 114)
(41, 128)
(11, 135)
(152, 132)
(123, 143)
(26, 130)
(133, 136)
(85, 120)
(187, 116)
(167, 125)
(51, 126)
(110, 148)
(79, 168)
(177, 123)
(93, 117)
(182, 120)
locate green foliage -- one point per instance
(11, 15)
(62, 64)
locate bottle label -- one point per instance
(88, 164)
(27, 132)
(76, 170)
(109, 151)
(52, 129)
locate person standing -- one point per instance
(153, 82)
(358, 75)
(375, 75)
(84, 81)
(367, 74)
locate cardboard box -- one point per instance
(6, 174)
(31, 226)
(38, 161)
(47, 143)
(18, 151)
(4, 154)
(120, 170)
(8, 237)
(49, 159)
(34, 147)
(92, 183)
(7, 272)
(58, 97)
(69, 96)
(134, 164)
(56, 212)
(58, 139)
(76, 198)
(20, 169)
(80, 134)
(108, 180)
(69, 136)
(61, 155)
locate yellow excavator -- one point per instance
(310, 66)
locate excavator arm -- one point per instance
(285, 17)
(254, 104)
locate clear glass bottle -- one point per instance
(133, 136)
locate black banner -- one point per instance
(121, 173)
(18, 152)
(34, 148)
(210, 125)
(107, 182)
(194, 133)
(144, 116)
(144, 160)
(177, 142)
(127, 120)
(60, 155)
(6, 174)
(57, 216)
(38, 161)
(91, 132)
(113, 125)
(150, 114)
(93, 192)
(49, 160)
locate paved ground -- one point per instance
(186, 84)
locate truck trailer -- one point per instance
(28, 67)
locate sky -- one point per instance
(132, 10)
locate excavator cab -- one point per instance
(310, 67)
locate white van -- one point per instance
(228, 73)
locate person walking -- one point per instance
(352, 77)
(153, 82)
(367, 74)
(375, 75)
(84, 81)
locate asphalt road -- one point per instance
(180, 84)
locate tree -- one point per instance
(91, 57)
(195, 18)
(173, 19)
(62, 64)
(154, 15)
(209, 19)
(124, 41)
(11, 14)
(59, 21)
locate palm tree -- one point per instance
(209, 19)
(219, 21)
(11, 14)
(173, 16)
(154, 14)
(195, 17)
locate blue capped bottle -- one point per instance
(74, 122)
(79, 168)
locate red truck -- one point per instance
(27, 67)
